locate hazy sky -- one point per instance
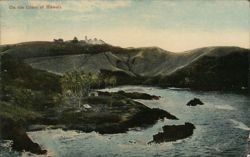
(174, 25)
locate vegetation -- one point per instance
(212, 73)
(20, 74)
(5, 48)
(120, 77)
(75, 40)
(45, 49)
(16, 113)
(29, 99)
(151, 66)
(60, 40)
(32, 96)
(37, 89)
(27, 87)
(77, 84)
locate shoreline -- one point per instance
(122, 115)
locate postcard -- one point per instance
(124, 78)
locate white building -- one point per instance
(94, 41)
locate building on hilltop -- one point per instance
(60, 40)
(94, 41)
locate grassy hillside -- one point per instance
(215, 71)
(27, 87)
(45, 49)
(145, 62)
(209, 67)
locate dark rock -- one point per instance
(117, 117)
(14, 131)
(133, 95)
(133, 142)
(173, 133)
(148, 117)
(195, 102)
(38, 127)
(144, 118)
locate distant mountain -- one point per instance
(203, 68)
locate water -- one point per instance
(222, 129)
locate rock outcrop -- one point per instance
(173, 133)
(14, 131)
(195, 102)
(132, 95)
(107, 115)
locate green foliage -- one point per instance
(27, 87)
(5, 48)
(212, 73)
(16, 113)
(58, 99)
(106, 78)
(118, 78)
(23, 97)
(112, 80)
(75, 40)
(16, 72)
(29, 99)
(90, 117)
(77, 84)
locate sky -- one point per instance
(174, 25)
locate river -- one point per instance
(222, 129)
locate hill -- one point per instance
(218, 69)
(208, 68)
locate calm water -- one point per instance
(222, 129)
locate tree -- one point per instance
(112, 81)
(77, 84)
(75, 40)
(60, 40)
(23, 97)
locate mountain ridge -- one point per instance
(153, 64)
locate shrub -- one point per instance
(16, 113)
(77, 84)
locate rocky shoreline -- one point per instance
(132, 95)
(106, 114)
(16, 132)
(103, 117)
